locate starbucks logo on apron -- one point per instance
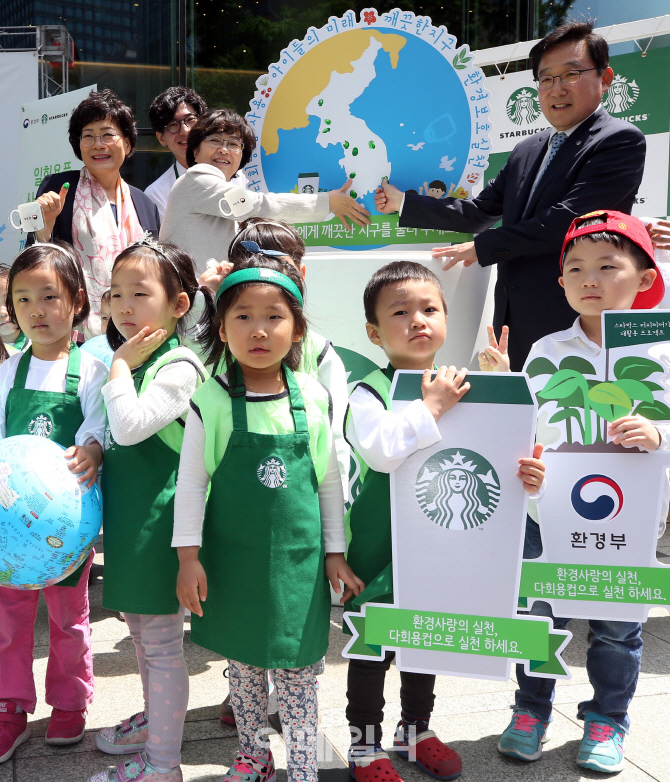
(271, 472)
(457, 489)
(41, 425)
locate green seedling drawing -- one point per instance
(579, 398)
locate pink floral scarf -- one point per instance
(97, 238)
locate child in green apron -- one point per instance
(262, 546)
(151, 382)
(13, 339)
(406, 316)
(51, 390)
(319, 359)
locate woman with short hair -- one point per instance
(100, 214)
(219, 145)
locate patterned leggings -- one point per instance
(159, 643)
(298, 711)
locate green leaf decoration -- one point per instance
(654, 411)
(609, 412)
(635, 368)
(540, 366)
(461, 60)
(651, 385)
(579, 364)
(562, 384)
(636, 390)
(613, 400)
(561, 415)
(575, 399)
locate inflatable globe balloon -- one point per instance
(99, 347)
(48, 521)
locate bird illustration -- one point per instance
(446, 164)
(414, 147)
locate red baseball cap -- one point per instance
(631, 228)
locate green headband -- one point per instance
(259, 274)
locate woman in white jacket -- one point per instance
(204, 203)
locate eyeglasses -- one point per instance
(567, 77)
(175, 126)
(224, 143)
(88, 139)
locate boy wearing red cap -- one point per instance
(607, 263)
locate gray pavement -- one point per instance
(469, 714)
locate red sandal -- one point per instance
(375, 766)
(430, 754)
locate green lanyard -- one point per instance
(176, 171)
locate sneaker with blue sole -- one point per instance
(601, 748)
(524, 736)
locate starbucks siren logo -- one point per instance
(45, 119)
(523, 106)
(621, 95)
(271, 472)
(41, 425)
(458, 489)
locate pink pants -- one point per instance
(159, 642)
(69, 679)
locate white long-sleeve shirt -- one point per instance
(50, 376)
(193, 482)
(133, 418)
(384, 438)
(332, 374)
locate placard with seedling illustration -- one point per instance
(458, 514)
(601, 511)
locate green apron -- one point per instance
(268, 602)
(56, 415)
(138, 487)
(369, 552)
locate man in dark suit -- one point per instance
(587, 160)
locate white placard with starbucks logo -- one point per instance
(458, 515)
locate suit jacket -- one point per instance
(147, 211)
(599, 166)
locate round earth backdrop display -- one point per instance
(48, 521)
(371, 97)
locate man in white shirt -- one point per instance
(172, 115)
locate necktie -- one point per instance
(557, 141)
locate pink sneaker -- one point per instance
(136, 769)
(246, 768)
(127, 738)
(14, 729)
(66, 727)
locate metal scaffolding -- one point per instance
(54, 47)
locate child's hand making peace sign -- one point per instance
(495, 357)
